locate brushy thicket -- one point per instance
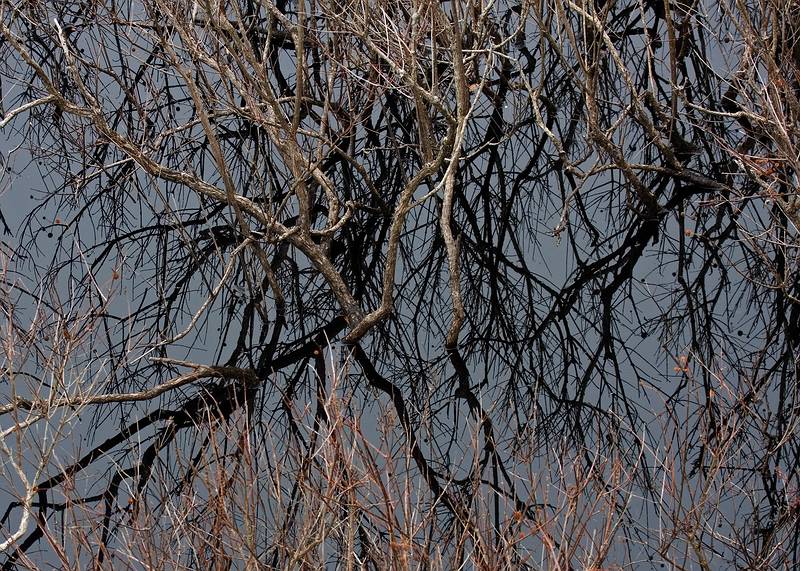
(400, 284)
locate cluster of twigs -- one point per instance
(400, 284)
